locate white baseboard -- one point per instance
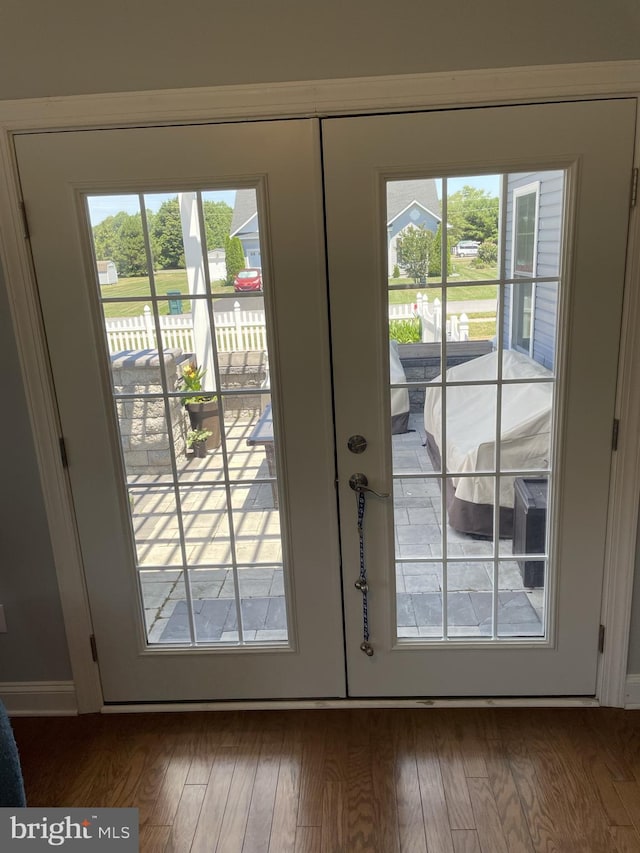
(39, 698)
(341, 704)
(632, 692)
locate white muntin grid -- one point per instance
(498, 556)
(175, 482)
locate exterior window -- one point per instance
(525, 219)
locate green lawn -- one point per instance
(139, 286)
(462, 271)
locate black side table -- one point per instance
(529, 526)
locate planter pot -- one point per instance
(199, 449)
(206, 416)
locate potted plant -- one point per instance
(197, 441)
(202, 408)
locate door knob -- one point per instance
(360, 483)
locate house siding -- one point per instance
(547, 260)
(251, 247)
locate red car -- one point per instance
(248, 280)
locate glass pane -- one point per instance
(470, 516)
(417, 511)
(473, 208)
(256, 523)
(154, 521)
(129, 326)
(119, 245)
(413, 231)
(145, 435)
(495, 391)
(241, 338)
(471, 428)
(251, 443)
(409, 453)
(469, 599)
(264, 614)
(164, 599)
(534, 234)
(472, 313)
(206, 524)
(520, 605)
(529, 498)
(190, 375)
(419, 599)
(526, 421)
(214, 605)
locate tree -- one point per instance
(119, 238)
(217, 223)
(487, 254)
(234, 255)
(414, 248)
(166, 236)
(473, 215)
(435, 258)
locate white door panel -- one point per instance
(515, 639)
(195, 542)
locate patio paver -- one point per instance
(418, 512)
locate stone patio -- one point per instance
(207, 544)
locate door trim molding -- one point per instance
(322, 98)
(624, 486)
(325, 98)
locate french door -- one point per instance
(486, 560)
(473, 367)
(210, 576)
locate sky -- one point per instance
(101, 206)
(488, 183)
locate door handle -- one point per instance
(360, 483)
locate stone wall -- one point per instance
(241, 370)
(144, 434)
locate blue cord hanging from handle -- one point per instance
(361, 583)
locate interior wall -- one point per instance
(76, 47)
(35, 646)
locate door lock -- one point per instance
(357, 443)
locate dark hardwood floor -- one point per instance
(442, 781)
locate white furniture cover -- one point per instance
(399, 396)
(471, 423)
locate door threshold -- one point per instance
(325, 704)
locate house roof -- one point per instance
(103, 266)
(402, 194)
(244, 209)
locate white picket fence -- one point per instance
(430, 315)
(239, 331)
(236, 331)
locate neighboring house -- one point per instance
(107, 272)
(244, 224)
(532, 248)
(410, 203)
(217, 264)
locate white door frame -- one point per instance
(320, 99)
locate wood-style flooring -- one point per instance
(425, 781)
